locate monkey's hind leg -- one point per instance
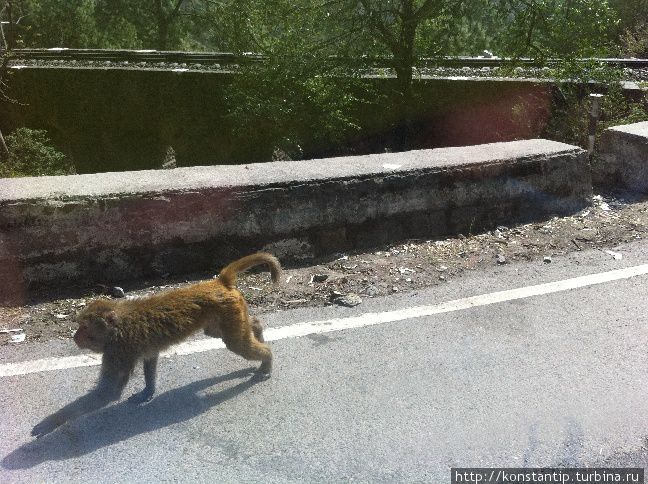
(257, 329)
(150, 376)
(251, 349)
(240, 339)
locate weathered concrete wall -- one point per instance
(111, 226)
(115, 120)
(622, 158)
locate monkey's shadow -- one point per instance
(125, 420)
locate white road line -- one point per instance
(339, 324)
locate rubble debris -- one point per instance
(371, 291)
(17, 338)
(342, 299)
(16, 335)
(615, 255)
(319, 277)
(349, 300)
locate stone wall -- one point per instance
(124, 119)
(622, 158)
(123, 225)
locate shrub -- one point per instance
(31, 154)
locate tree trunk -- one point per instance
(11, 40)
(162, 26)
(403, 65)
(4, 151)
(163, 36)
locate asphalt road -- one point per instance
(557, 379)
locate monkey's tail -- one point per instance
(228, 275)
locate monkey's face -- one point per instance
(96, 327)
(91, 337)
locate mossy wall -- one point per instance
(125, 119)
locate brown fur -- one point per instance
(127, 331)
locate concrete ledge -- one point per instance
(622, 160)
(112, 226)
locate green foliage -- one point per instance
(569, 120)
(142, 24)
(536, 28)
(292, 111)
(617, 109)
(118, 25)
(298, 104)
(306, 98)
(112, 24)
(584, 71)
(555, 28)
(478, 29)
(634, 41)
(467, 28)
(31, 154)
(630, 13)
(56, 23)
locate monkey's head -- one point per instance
(96, 325)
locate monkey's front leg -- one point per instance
(150, 375)
(112, 381)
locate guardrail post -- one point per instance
(594, 114)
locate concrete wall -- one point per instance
(119, 119)
(622, 158)
(112, 226)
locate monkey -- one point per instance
(127, 331)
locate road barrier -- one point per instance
(622, 158)
(123, 225)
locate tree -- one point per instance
(7, 38)
(395, 31)
(58, 23)
(394, 24)
(633, 27)
(631, 13)
(166, 13)
(118, 24)
(136, 24)
(299, 103)
(556, 28)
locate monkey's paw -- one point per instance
(141, 398)
(260, 375)
(45, 427)
(265, 368)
